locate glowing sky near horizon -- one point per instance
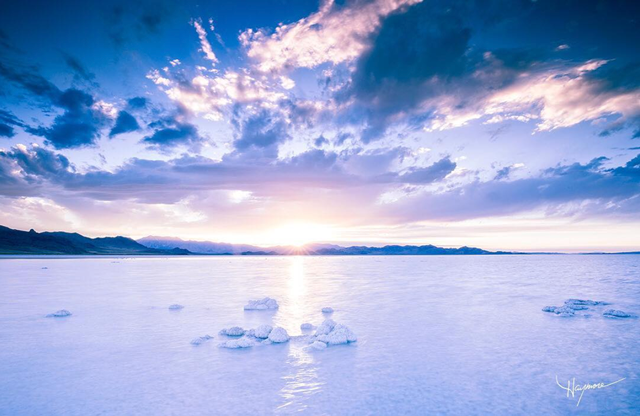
(510, 125)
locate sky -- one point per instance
(511, 125)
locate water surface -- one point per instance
(459, 335)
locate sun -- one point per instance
(300, 234)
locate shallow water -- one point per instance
(460, 335)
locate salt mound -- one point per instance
(59, 314)
(278, 335)
(243, 342)
(614, 313)
(175, 307)
(261, 304)
(325, 327)
(340, 335)
(572, 305)
(559, 310)
(234, 331)
(306, 327)
(331, 333)
(327, 310)
(584, 302)
(262, 331)
(317, 345)
(200, 340)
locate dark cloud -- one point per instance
(439, 52)
(138, 19)
(174, 133)
(595, 190)
(314, 160)
(591, 187)
(342, 137)
(6, 130)
(35, 167)
(630, 170)
(157, 181)
(6, 44)
(137, 102)
(30, 80)
(622, 124)
(429, 174)
(79, 71)
(320, 141)
(413, 46)
(125, 123)
(80, 123)
(263, 131)
(78, 126)
(503, 173)
(7, 122)
(376, 163)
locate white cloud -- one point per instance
(555, 98)
(332, 34)
(204, 42)
(238, 196)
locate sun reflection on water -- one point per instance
(301, 380)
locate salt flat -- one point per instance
(459, 335)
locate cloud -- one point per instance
(563, 98)
(79, 125)
(23, 170)
(264, 130)
(211, 95)
(137, 102)
(429, 174)
(173, 131)
(413, 53)
(324, 36)
(30, 80)
(204, 43)
(82, 119)
(325, 180)
(80, 72)
(566, 190)
(320, 141)
(7, 122)
(137, 19)
(505, 172)
(425, 69)
(125, 123)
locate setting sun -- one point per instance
(299, 234)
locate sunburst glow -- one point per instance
(299, 234)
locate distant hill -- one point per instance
(200, 247)
(206, 247)
(31, 242)
(403, 251)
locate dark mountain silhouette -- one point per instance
(206, 247)
(31, 242)
(23, 242)
(404, 251)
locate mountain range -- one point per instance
(18, 242)
(206, 247)
(31, 242)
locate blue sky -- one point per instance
(500, 124)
